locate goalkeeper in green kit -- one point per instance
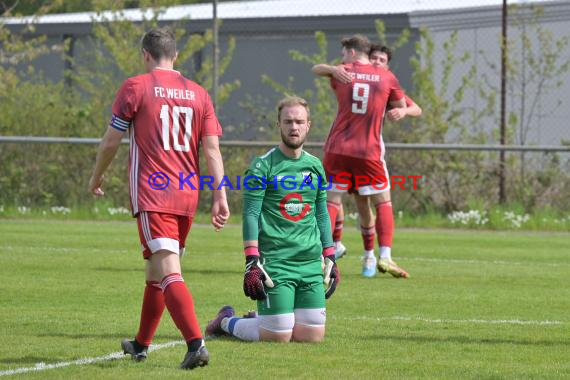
(287, 240)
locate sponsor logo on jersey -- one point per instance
(291, 210)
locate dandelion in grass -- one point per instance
(468, 217)
(60, 210)
(516, 220)
(118, 211)
(24, 210)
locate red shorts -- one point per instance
(159, 231)
(356, 175)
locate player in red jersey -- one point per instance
(355, 145)
(379, 56)
(167, 117)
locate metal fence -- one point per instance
(53, 172)
(447, 56)
(269, 144)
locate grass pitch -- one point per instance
(488, 305)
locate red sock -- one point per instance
(152, 308)
(368, 237)
(333, 208)
(384, 224)
(337, 232)
(180, 306)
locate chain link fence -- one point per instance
(446, 55)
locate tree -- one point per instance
(78, 105)
(536, 65)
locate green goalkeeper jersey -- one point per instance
(291, 221)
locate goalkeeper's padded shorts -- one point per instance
(298, 285)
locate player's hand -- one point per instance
(254, 279)
(340, 74)
(95, 186)
(220, 213)
(396, 114)
(331, 275)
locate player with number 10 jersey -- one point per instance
(168, 117)
(165, 109)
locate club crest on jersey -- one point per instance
(292, 207)
(307, 177)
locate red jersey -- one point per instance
(167, 115)
(357, 129)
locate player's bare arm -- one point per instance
(220, 209)
(337, 72)
(397, 114)
(105, 155)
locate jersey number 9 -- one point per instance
(360, 98)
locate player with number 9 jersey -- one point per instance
(357, 128)
(167, 115)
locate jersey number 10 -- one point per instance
(176, 111)
(360, 98)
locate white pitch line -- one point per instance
(470, 261)
(460, 321)
(66, 249)
(113, 356)
(118, 355)
(426, 259)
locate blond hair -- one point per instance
(290, 101)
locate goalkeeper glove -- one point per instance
(255, 276)
(331, 273)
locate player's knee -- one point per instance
(276, 328)
(164, 263)
(306, 334)
(309, 325)
(381, 197)
(270, 336)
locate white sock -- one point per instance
(386, 253)
(369, 253)
(242, 328)
(224, 324)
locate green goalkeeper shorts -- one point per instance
(298, 285)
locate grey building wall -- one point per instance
(479, 32)
(263, 48)
(268, 54)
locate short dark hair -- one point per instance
(381, 48)
(357, 42)
(160, 43)
(290, 101)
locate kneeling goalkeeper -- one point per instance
(287, 237)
